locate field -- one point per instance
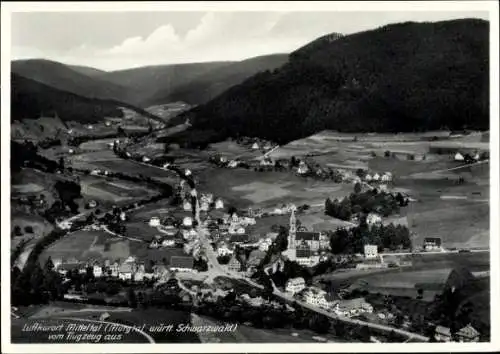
(232, 150)
(244, 188)
(113, 191)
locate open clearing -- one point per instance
(113, 190)
(245, 188)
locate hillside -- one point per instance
(158, 80)
(209, 85)
(31, 100)
(65, 78)
(87, 70)
(398, 78)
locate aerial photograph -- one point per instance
(249, 177)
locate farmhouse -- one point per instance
(368, 177)
(468, 334)
(187, 206)
(295, 285)
(303, 169)
(233, 164)
(187, 221)
(219, 204)
(181, 264)
(442, 334)
(373, 219)
(432, 244)
(145, 159)
(353, 307)
(126, 271)
(154, 243)
(315, 296)
(204, 205)
(154, 221)
(92, 204)
(459, 157)
(255, 146)
(371, 251)
(386, 177)
(97, 270)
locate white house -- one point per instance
(233, 164)
(187, 221)
(71, 151)
(316, 297)
(219, 204)
(166, 165)
(386, 177)
(303, 169)
(459, 157)
(371, 251)
(126, 271)
(295, 285)
(352, 307)
(168, 243)
(368, 177)
(187, 205)
(376, 177)
(264, 244)
(223, 250)
(154, 221)
(97, 270)
(204, 206)
(187, 172)
(145, 159)
(90, 127)
(92, 204)
(123, 216)
(255, 146)
(154, 243)
(373, 219)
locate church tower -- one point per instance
(292, 231)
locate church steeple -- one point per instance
(292, 231)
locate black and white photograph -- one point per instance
(212, 174)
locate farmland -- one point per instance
(245, 188)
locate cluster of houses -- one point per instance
(465, 334)
(326, 301)
(129, 269)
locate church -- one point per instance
(303, 246)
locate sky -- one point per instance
(120, 40)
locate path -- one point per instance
(144, 334)
(105, 229)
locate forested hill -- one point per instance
(31, 99)
(401, 77)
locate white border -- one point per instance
(455, 6)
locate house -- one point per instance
(104, 316)
(264, 244)
(255, 146)
(238, 238)
(139, 273)
(233, 164)
(126, 271)
(432, 244)
(181, 264)
(467, 334)
(352, 307)
(368, 177)
(376, 177)
(234, 264)
(316, 297)
(187, 206)
(154, 243)
(145, 159)
(219, 204)
(123, 216)
(97, 270)
(371, 251)
(168, 242)
(386, 177)
(204, 205)
(154, 221)
(459, 157)
(442, 334)
(187, 172)
(90, 127)
(371, 264)
(115, 269)
(266, 162)
(373, 219)
(223, 250)
(295, 285)
(92, 204)
(187, 221)
(235, 229)
(303, 169)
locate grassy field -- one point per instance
(244, 188)
(113, 191)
